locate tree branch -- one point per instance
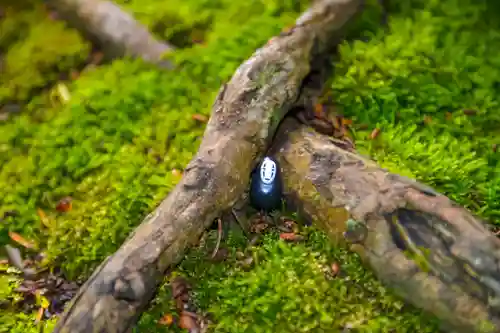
(116, 32)
(435, 254)
(244, 119)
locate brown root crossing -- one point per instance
(244, 119)
(116, 32)
(433, 253)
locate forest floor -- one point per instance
(88, 148)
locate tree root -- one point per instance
(116, 32)
(245, 116)
(433, 253)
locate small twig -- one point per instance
(219, 237)
(241, 219)
(115, 30)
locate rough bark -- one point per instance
(116, 32)
(435, 254)
(244, 119)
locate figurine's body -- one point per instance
(266, 186)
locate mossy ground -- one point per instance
(112, 147)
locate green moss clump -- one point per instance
(16, 322)
(194, 21)
(414, 81)
(288, 290)
(22, 323)
(37, 50)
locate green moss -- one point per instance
(38, 50)
(435, 59)
(205, 20)
(16, 322)
(22, 323)
(288, 290)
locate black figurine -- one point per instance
(266, 186)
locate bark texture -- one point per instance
(244, 119)
(116, 32)
(435, 254)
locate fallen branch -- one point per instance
(116, 32)
(244, 119)
(433, 253)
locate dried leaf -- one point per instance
(427, 120)
(362, 126)
(180, 287)
(63, 93)
(176, 173)
(189, 323)
(41, 300)
(346, 122)
(43, 218)
(64, 205)
(39, 315)
(21, 240)
(335, 267)
(374, 133)
(470, 112)
(166, 320)
(337, 124)
(319, 110)
(291, 237)
(259, 227)
(199, 117)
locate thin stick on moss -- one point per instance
(219, 237)
(432, 252)
(116, 32)
(244, 119)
